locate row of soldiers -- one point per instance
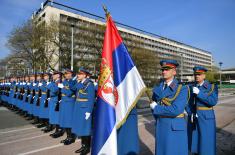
(57, 100)
(185, 119)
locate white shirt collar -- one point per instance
(201, 84)
(168, 83)
(83, 80)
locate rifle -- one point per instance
(33, 95)
(194, 110)
(48, 95)
(28, 91)
(16, 88)
(39, 94)
(57, 107)
(20, 93)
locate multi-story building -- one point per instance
(151, 47)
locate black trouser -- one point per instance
(86, 141)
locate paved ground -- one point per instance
(18, 136)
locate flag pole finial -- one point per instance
(107, 14)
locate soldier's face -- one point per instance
(46, 77)
(81, 76)
(168, 73)
(56, 76)
(199, 77)
(68, 75)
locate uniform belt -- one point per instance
(36, 92)
(44, 93)
(68, 96)
(179, 116)
(204, 108)
(82, 99)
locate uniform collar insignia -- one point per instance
(205, 84)
(173, 84)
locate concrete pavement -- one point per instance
(18, 136)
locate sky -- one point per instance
(205, 24)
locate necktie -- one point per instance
(165, 86)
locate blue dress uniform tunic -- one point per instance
(53, 115)
(44, 111)
(67, 104)
(85, 99)
(127, 135)
(202, 132)
(171, 131)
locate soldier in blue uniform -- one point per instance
(43, 110)
(54, 104)
(31, 96)
(83, 108)
(67, 106)
(201, 117)
(25, 95)
(36, 101)
(169, 101)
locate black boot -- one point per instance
(49, 128)
(70, 137)
(36, 120)
(58, 133)
(85, 149)
(41, 123)
(30, 117)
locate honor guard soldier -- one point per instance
(201, 122)
(169, 101)
(67, 106)
(36, 98)
(43, 111)
(26, 94)
(54, 103)
(31, 96)
(83, 108)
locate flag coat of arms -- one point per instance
(120, 86)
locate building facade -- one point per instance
(87, 31)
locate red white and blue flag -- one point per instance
(119, 87)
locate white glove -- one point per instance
(196, 90)
(24, 83)
(192, 118)
(48, 83)
(28, 83)
(87, 115)
(60, 85)
(40, 84)
(34, 84)
(153, 105)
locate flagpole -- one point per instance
(107, 13)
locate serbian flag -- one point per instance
(119, 87)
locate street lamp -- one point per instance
(72, 26)
(181, 64)
(220, 64)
